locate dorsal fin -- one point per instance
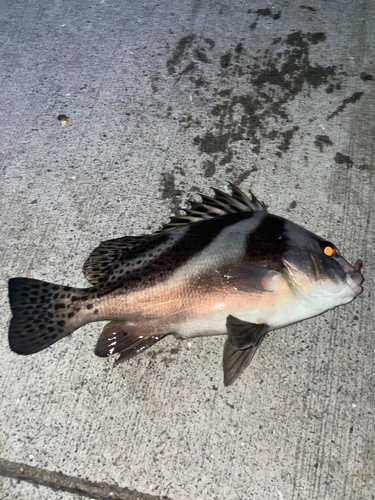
(221, 204)
(101, 262)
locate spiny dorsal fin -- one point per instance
(221, 204)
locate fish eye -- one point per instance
(330, 251)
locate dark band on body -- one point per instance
(266, 243)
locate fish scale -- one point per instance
(225, 267)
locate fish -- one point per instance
(224, 266)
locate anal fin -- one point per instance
(117, 337)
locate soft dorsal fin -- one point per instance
(100, 262)
(221, 204)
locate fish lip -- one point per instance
(358, 265)
(355, 278)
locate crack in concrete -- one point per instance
(71, 484)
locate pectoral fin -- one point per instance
(239, 349)
(243, 334)
(117, 337)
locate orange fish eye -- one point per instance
(329, 251)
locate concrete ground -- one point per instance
(165, 99)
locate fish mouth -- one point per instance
(355, 278)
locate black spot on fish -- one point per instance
(96, 311)
(70, 315)
(89, 306)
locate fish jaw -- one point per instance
(354, 277)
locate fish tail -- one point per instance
(43, 313)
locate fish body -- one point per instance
(226, 267)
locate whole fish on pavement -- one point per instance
(226, 267)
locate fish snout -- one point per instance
(354, 280)
(354, 277)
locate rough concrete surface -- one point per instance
(165, 99)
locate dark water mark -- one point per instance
(170, 192)
(343, 160)
(321, 141)
(349, 100)
(259, 117)
(365, 77)
(311, 9)
(179, 52)
(275, 78)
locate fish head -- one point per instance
(317, 272)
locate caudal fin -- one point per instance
(43, 313)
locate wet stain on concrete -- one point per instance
(366, 166)
(225, 60)
(209, 168)
(265, 13)
(274, 76)
(321, 141)
(201, 55)
(365, 77)
(343, 160)
(179, 51)
(170, 192)
(239, 178)
(307, 7)
(349, 100)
